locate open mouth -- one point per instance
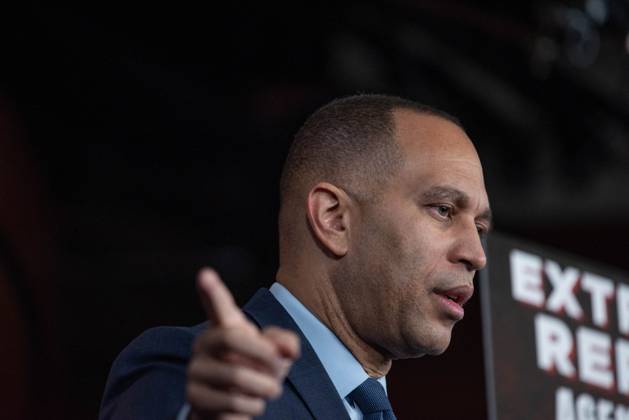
(459, 295)
(452, 300)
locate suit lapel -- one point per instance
(307, 374)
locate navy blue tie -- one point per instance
(372, 401)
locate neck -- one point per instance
(319, 297)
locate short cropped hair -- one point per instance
(350, 142)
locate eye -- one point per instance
(482, 230)
(443, 211)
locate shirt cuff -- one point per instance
(183, 413)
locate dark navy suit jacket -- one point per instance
(147, 380)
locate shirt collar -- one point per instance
(341, 366)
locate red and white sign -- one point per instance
(556, 335)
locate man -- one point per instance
(383, 205)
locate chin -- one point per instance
(432, 344)
(437, 350)
(441, 342)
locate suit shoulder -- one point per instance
(162, 342)
(153, 364)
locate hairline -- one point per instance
(371, 190)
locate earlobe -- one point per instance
(328, 215)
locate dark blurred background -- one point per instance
(141, 141)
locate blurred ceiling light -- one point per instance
(598, 11)
(581, 39)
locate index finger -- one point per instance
(217, 300)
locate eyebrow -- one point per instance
(459, 198)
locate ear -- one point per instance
(328, 215)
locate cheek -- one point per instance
(375, 263)
(417, 272)
(396, 249)
(426, 245)
(413, 253)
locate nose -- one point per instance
(468, 250)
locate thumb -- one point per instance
(287, 344)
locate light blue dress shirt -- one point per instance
(341, 366)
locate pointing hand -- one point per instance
(235, 368)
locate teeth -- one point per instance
(451, 297)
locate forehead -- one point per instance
(437, 151)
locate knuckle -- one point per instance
(206, 340)
(221, 341)
(239, 377)
(296, 342)
(255, 383)
(290, 336)
(265, 347)
(233, 403)
(258, 406)
(224, 341)
(240, 404)
(273, 390)
(270, 329)
(198, 367)
(230, 337)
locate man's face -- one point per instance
(414, 250)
